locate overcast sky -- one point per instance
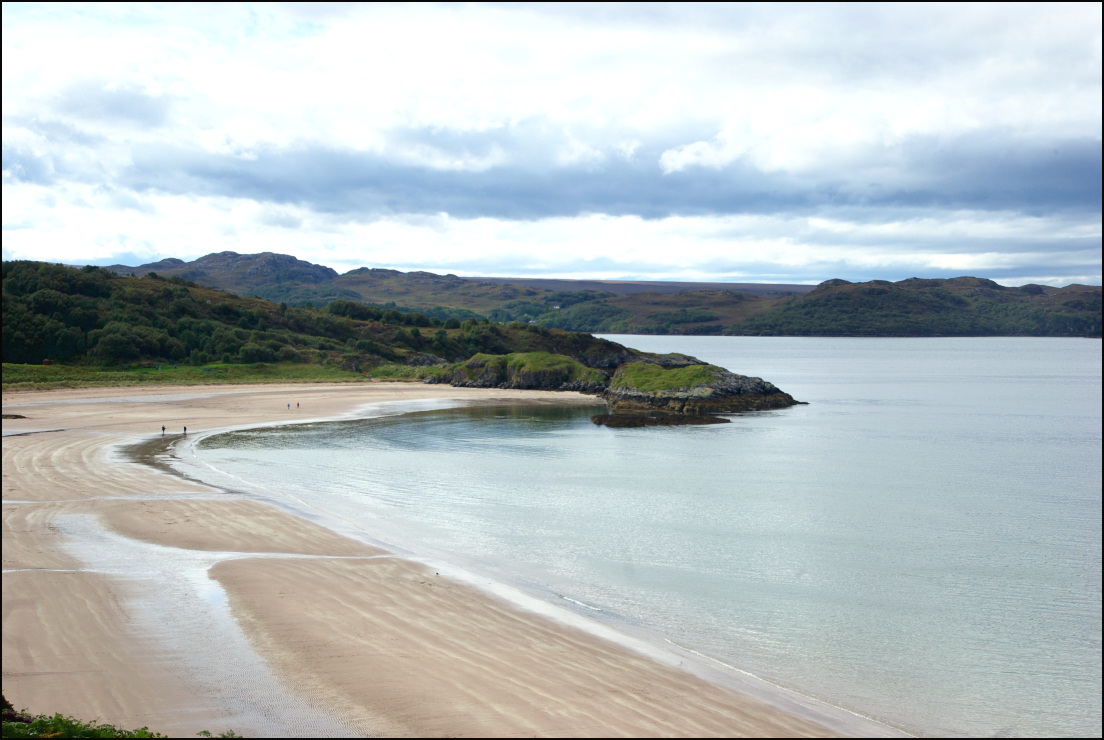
(743, 143)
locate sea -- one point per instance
(919, 544)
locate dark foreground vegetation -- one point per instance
(963, 306)
(95, 327)
(24, 724)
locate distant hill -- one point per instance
(266, 275)
(964, 306)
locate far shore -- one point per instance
(141, 598)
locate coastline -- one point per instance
(357, 639)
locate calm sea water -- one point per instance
(921, 543)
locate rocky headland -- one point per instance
(689, 390)
(647, 390)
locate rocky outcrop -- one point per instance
(593, 387)
(671, 360)
(690, 390)
(422, 359)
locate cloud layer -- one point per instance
(773, 143)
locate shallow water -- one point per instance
(176, 600)
(920, 544)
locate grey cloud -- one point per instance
(919, 239)
(124, 199)
(987, 173)
(63, 133)
(281, 220)
(361, 185)
(25, 166)
(95, 101)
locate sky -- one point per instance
(701, 142)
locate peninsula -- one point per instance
(99, 325)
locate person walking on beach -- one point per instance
(185, 431)
(162, 430)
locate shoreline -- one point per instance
(328, 615)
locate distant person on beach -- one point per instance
(289, 407)
(185, 430)
(162, 430)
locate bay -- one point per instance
(920, 544)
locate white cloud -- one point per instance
(836, 96)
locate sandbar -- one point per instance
(102, 603)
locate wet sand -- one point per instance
(137, 597)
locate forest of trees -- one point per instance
(93, 316)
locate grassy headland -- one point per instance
(652, 378)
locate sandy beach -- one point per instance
(137, 597)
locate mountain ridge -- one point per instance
(961, 306)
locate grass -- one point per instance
(651, 378)
(416, 373)
(546, 362)
(44, 377)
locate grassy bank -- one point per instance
(651, 378)
(46, 377)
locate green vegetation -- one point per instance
(68, 327)
(24, 724)
(40, 377)
(522, 370)
(104, 328)
(652, 378)
(958, 307)
(61, 726)
(546, 362)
